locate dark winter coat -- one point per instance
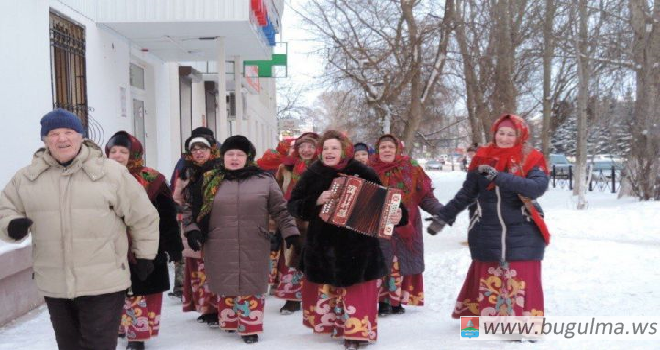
(169, 244)
(334, 255)
(500, 229)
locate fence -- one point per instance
(601, 180)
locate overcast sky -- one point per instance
(304, 66)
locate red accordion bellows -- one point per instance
(362, 206)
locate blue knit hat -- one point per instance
(61, 118)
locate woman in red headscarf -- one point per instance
(343, 266)
(141, 317)
(507, 235)
(290, 279)
(404, 253)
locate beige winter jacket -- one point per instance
(80, 216)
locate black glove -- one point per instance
(275, 241)
(488, 171)
(294, 241)
(18, 228)
(143, 268)
(175, 255)
(436, 225)
(194, 240)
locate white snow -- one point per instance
(601, 262)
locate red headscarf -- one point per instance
(272, 158)
(405, 174)
(346, 148)
(299, 164)
(517, 160)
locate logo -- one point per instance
(469, 326)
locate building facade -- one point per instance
(157, 69)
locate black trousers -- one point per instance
(88, 322)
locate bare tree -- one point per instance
(548, 52)
(645, 155)
(381, 48)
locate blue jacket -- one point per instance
(500, 229)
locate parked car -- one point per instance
(433, 165)
(559, 164)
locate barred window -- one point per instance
(68, 73)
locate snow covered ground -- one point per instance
(601, 262)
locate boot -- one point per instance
(135, 345)
(384, 309)
(290, 307)
(398, 310)
(210, 319)
(250, 339)
(353, 344)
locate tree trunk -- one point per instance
(582, 53)
(548, 51)
(645, 150)
(415, 111)
(475, 100)
(504, 95)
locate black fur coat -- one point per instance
(334, 255)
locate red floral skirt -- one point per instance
(493, 289)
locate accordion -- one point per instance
(362, 206)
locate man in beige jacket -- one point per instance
(78, 206)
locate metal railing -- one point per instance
(601, 180)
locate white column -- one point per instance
(221, 132)
(241, 125)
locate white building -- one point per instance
(155, 68)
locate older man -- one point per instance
(78, 206)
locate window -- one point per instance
(67, 59)
(136, 74)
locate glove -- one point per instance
(175, 255)
(194, 240)
(436, 225)
(488, 171)
(294, 241)
(143, 267)
(275, 241)
(18, 228)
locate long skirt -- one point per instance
(141, 318)
(290, 281)
(509, 289)
(343, 312)
(400, 290)
(243, 314)
(273, 267)
(196, 293)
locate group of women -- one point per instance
(249, 225)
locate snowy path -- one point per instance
(601, 262)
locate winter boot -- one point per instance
(384, 309)
(353, 344)
(398, 310)
(290, 307)
(250, 339)
(135, 345)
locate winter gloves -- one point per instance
(195, 240)
(175, 255)
(18, 228)
(436, 225)
(143, 267)
(294, 241)
(488, 171)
